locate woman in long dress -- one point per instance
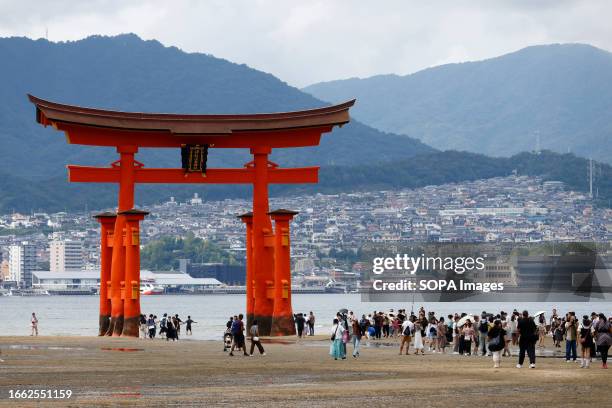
(418, 338)
(336, 349)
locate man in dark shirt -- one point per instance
(299, 321)
(527, 329)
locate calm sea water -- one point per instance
(78, 315)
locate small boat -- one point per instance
(335, 287)
(147, 289)
(27, 292)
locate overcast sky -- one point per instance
(303, 42)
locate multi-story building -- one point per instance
(22, 261)
(65, 255)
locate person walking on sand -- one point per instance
(586, 341)
(311, 323)
(442, 328)
(238, 335)
(571, 330)
(34, 324)
(254, 334)
(163, 326)
(483, 330)
(150, 323)
(142, 322)
(176, 320)
(299, 322)
(188, 323)
(541, 330)
(356, 338)
(418, 337)
(468, 336)
(603, 339)
(336, 349)
(528, 333)
(496, 340)
(407, 330)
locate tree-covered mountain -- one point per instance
(500, 106)
(418, 171)
(127, 73)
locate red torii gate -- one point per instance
(268, 277)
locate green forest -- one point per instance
(163, 254)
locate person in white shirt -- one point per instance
(407, 330)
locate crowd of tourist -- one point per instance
(168, 327)
(486, 334)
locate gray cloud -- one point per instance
(305, 42)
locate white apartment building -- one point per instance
(65, 255)
(22, 261)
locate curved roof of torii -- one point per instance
(69, 118)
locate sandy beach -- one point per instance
(126, 372)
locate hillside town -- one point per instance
(40, 247)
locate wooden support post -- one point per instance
(107, 223)
(248, 220)
(263, 255)
(131, 302)
(283, 323)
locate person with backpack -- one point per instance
(495, 339)
(170, 330)
(238, 335)
(407, 330)
(163, 326)
(528, 332)
(150, 324)
(586, 341)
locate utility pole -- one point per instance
(591, 178)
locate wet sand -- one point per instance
(131, 372)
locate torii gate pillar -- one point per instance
(282, 316)
(107, 225)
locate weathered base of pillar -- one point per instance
(104, 324)
(283, 326)
(264, 324)
(116, 326)
(131, 327)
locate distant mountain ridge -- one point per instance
(561, 94)
(127, 73)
